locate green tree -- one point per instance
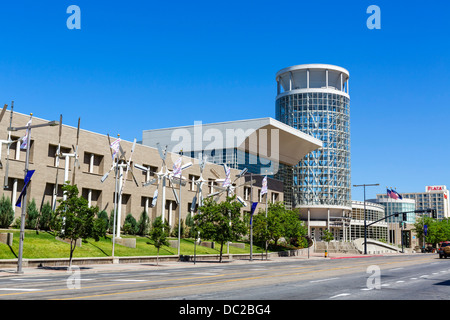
(46, 217)
(221, 222)
(130, 225)
(437, 230)
(294, 230)
(32, 216)
(6, 212)
(190, 226)
(327, 236)
(260, 230)
(159, 234)
(74, 218)
(143, 224)
(101, 224)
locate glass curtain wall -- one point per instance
(323, 176)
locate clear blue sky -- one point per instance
(138, 65)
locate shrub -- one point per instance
(32, 216)
(6, 212)
(130, 225)
(47, 216)
(101, 224)
(143, 225)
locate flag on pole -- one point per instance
(398, 195)
(254, 204)
(177, 167)
(115, 147)
(155, 197)
(393, 194)
(227, 181)
(264, 186)
(24, 143)
(24, 190)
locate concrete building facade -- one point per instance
(94, 161)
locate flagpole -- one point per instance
(251, 220)
(24, 200)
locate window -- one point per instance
(93, 163)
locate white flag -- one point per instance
(227, 181)
(24, 143)
(115, 147)
(264, 186)
(177, 167)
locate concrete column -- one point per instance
(328, 220)
(89, 197)
(146, 205)
(91, 163)
(17, 157)
(170, 213)
(290, 81)
(14, 194)
(326, 78)
(307, 78)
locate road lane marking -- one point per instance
(321, 280)
(340, 295)
(25, 279)
(18, 289)
(210, 283)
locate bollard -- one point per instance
(326, 253)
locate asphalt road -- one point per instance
(398, 277)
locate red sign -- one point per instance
(435, 188)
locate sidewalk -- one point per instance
(164, 265)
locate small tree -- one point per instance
(101, 224)
(159, 234)
(46, 217)
(143, 224)
(74, 218)
(6, 212)
(221, 222)
(260, 230)
(327, 236)
(130, 225)
(32, 216)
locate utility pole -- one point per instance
(365, 218)
(28, 127)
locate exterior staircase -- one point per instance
(335, 247)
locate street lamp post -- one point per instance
(365, 220)
(24, 199)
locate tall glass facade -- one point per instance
(322, 178)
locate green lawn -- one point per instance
(45, 245)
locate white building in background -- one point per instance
(434, 197)
(374, 212)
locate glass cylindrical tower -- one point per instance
(314, 98)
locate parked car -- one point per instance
(444, 249)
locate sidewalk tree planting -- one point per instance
(159, 234)
(74, 218)
(220, 222)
